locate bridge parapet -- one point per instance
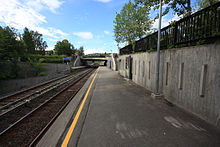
(94, 59)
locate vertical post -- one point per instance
(158, 52)
(174, 34)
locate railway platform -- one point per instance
(111, 111)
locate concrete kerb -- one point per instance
(54, 133)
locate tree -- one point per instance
(131, 23)
(200, 4)
(178, 6)
(81, 51)
(33, 42)
(10, 44)
(64, 48)
(40, 45)
(11, 49)
(28, 40)
(50, 52)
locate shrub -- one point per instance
(42, 74)
(48, 58)
(151, 50)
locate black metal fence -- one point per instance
(201, 26)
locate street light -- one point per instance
(158, 52)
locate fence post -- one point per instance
(175, 34)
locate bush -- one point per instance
(47, 58)
(4, 75)
(42, 74)
(151, 50)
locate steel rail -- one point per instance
(40, 135)
(41, 91)
(33, 87)
(41, 105)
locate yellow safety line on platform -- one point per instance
(72, 127)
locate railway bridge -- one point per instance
(80, 61)
(94, 59)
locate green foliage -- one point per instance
(81, 51)
(162, 39)
(42, 74)
(151, 50)
(28, 41)
(33, 42)
(99, 62)
(172, 23)
(170, 46)
(50, 52)
(4, 75)
(14, 69)
(133, 45)
(10, 45)
(64, 48)
(36, 64)
(98, 55)
(200, 4)
(200, 42)
(178, 6)
(14, 45)
(49, 58)
(131, 23)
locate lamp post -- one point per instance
(158, 52)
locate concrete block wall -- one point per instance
(189, 78)
(27, 77)
(26, 70)
(112, 63)
(143, 69)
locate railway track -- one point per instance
(16, 106)
(27, 120)
(11, 100)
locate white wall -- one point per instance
(189, 78)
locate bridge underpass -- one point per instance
(87, 61)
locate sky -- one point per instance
(87, 23)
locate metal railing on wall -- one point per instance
(200, 27)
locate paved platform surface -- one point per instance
(121, 113)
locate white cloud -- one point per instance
(106, 32)
(52, 5)
(103, 1)
(16, 14)
(53, 40)
(84, 35)
(55, 34)
(80, 42)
